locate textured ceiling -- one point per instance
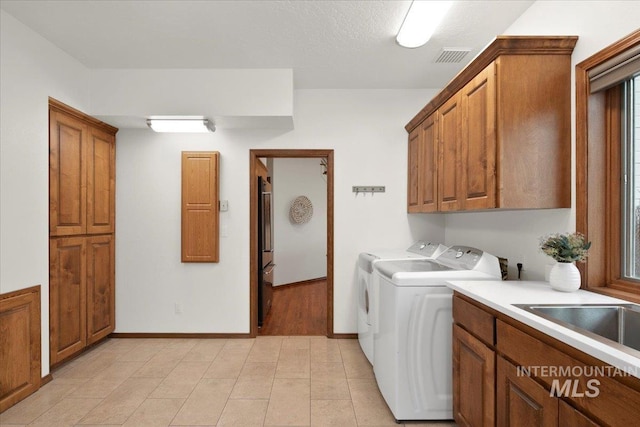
(328, 44)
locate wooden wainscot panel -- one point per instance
(19, 345)
(606, 398)
(200, 216)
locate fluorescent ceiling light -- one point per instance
(181, 124)
(421, 21)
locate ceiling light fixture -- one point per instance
(423, 17)
(181, 124)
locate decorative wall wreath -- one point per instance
(301, 210)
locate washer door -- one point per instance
(364, 296)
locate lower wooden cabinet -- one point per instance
(521, 401)
(489, 389)
(101, 306)
(473, 380)
(67, 297)
(81, 293)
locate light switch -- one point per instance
(224, 205)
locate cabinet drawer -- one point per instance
(606, 399)
(474, 319)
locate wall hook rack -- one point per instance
(368, 189)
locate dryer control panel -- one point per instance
(427, 249)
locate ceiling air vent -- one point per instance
(452, 54)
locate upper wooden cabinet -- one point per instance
(200, 199)
(423, 159)
(101, 182)
(503, 130)
(67, 174)
(81, 173)
(449, 173)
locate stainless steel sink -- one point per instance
(613, 324)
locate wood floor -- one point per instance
(299, 309)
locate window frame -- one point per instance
(598, 173)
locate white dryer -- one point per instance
(412, 342)
(367, 287)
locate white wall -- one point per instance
(32, 69)
(232, 97)
(301, 249)
(515, 234)
(364, 127)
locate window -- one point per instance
(630, 161)
(608, 167)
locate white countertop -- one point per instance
(500, 295)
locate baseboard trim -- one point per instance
(301, 283)
(46, 379)
(176, 335)
(345, 336)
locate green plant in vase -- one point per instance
(565, 248)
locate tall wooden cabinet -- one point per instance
(503, 130)
(81, 229)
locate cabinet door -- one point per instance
(413, 178)
(428, 158)
(101, 180)
(473, 380)
(200, 217)
(521, 401)
(100, 287)
(479, 141)
(67, 297)
(450, 161)
(67, 175)
(571, 417)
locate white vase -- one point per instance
(565, 277)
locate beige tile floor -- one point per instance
(267, 381)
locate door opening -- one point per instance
(260, 199)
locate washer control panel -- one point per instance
(461, 257)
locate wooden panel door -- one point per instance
(101, 182)
(479, 140)
(67, 175)
(473, 380)
(67, 297)
(19, 345)
(570, 417)
(449, 164)
(428, 165)
(100, 287)
(200, 216)
(521, 401)
(413, 178)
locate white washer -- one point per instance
(412, 343)
(367, 288)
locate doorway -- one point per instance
(254, 162)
